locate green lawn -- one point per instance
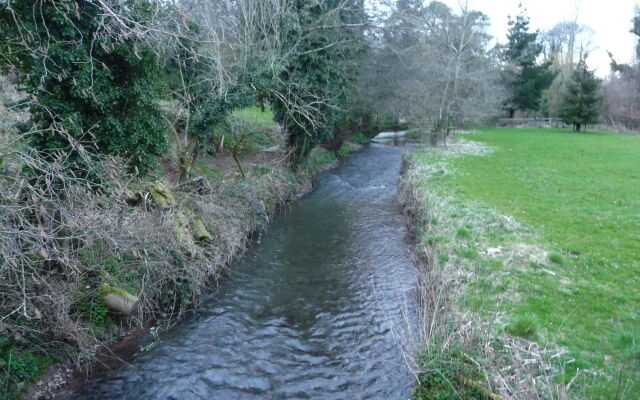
(582, 190)
(256, 116)
(580, 195)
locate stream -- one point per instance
(320, 308)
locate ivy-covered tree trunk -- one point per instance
(313, 89)
(95, 89)
(187, 157)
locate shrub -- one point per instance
(343, 150)
(91, 309)
(360, 138)
(17, 366)
(319, 158)
(414, 134)
(92, 85)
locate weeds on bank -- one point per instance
(321, 159)
(51, 305)
(449, 374)
(359, 138)
(479, 267)
(61, 242)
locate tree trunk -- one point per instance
(577, 127)
(234, 155)
(187, 156)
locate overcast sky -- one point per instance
(609, 19)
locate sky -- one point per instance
(609, 19)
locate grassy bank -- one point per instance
(540, 230)
(155, 239)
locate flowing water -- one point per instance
(318, 309)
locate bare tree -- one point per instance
(229, 55)
(444, 72)
(564, 45)
(621, 91)
(621, 99)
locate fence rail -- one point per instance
(556, 122)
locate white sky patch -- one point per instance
(609, 19)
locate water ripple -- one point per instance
(313, 312)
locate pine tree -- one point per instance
(580, 105)
(527, 78)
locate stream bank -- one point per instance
(166, 265)
(465, 252)
(321, 307)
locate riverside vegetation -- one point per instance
(142, 141)
(533, 237)
(157, 238)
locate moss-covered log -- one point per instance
(199, 230)
(161, 195)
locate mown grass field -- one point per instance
(578, 195)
